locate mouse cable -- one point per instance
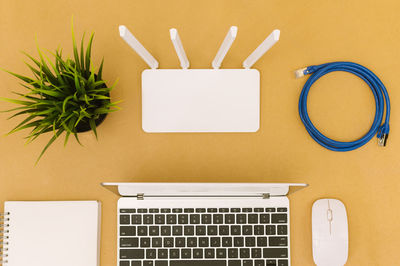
(381, 98)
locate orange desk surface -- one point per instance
(312, 32)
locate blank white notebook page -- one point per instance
(53, 233)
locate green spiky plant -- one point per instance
(63, 96)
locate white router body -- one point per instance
(200, 100)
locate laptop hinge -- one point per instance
(140, 196)
(265, 195)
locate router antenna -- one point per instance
(176, 41)
(226, 44)
(262, 49)
(137, 46)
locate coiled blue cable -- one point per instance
(379, 127)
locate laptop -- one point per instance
(203, 224)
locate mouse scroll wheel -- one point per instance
(329, 215)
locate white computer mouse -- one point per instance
(330, 235)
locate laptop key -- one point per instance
(233, 253)
(212, 210)
(154, 210)
(221, 253)
(282, 229)
(191, 242)
(161, 263)
(145, 242)
(270, 230)
(177, 230)
(209, 253)
(256, 253)
(197, 262)
(215, 242)
(227, 241)
(224, 230)
(200, 210)
(127, 210)
(124, 263)
(151, 253)
(244, 253)
(163, 253)
(135, 263)
(258, 209)
(270, 209)
(241, 218)
(264, 218)
(186, 253)
(229, 218)
(262, 241)
(165, 210)
(174, 253)
(197, 253)
(130, 242)
(235, 230)
(130, 254)
(259, 263)
(180, 242)
(271, 263)
(223, 210)
(183, 219)
(127, 231)
(142, 231)
(176, 210)
(212, 230)
(283, 262)
(234, 263)
(165, 230)
(279, 218)
(142, 210)
(247, 230)
(247, 263)
(159, 219)
(148, 263)
(259, 230)
(189, 230)
(168, 242)
(171, 218)
(125, 219)
(253, 218)
(188, 210)
(218, 219)
(136, 219)
(201, 230)
(278, 241)
(203, 242)
(281, 210)
(154, 230)
(206, 218)
(195, 218)
(238, 241)
(156, 242)
(275, 252)
(250, 241)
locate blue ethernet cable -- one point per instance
(379, 127)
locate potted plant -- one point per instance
(64, 96)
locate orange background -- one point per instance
(312, 32)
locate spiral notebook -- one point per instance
(51, 233)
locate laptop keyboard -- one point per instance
(203, 236)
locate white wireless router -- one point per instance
(200, 100)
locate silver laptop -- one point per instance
(196, 224)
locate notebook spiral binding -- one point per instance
(4, 236)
